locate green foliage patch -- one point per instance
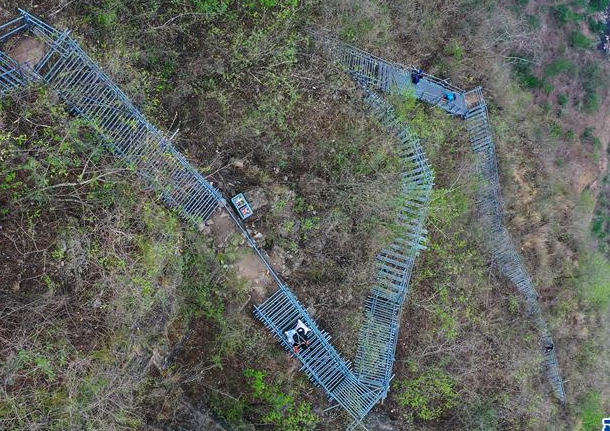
(280, 409)
(593, 280)
(564, 14)
(559, 66)
(591, 411)
(593, 78)
(429, 396)
(525, 76)
(579, 40)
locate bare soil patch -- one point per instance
(27, 51)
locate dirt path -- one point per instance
(248, 264)
(27, 51)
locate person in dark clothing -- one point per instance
(298, 336)
(300, 340)
(416, 76)
(548, 347)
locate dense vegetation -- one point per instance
(116, 315)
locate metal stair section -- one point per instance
(93, 95)
(358, 390)
(370, 71)
(320, 361)
(503, 249)
(382, 312)
(374, 73)
(13, 77)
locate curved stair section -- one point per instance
(91, 94)
(358, 390)
(379, 333)
(375, 73)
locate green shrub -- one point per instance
(579, 40)
(594, 280)
(600, 226)
(430, 395)
(525, 77)
(562, 99)
(212, 7)
(556, 130)
(596, 26)
(280, 410)
(598, 5)
(268, 4)
(230, 409)
(591, 412)
(593, 78)
(565, 14)
(591, 102)
(107, 15)
(588, 133)
(559, 66)
(455, 50)
(533, 22)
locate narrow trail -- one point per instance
(48, 56)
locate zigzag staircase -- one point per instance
(90, 93)
(357, 390)
(372, 72)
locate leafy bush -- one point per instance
(533, 22)
(565, 14)
(212, 7)
(430, 395)
(596, 26)
(219, 8)
(593, 78)
(455, 50)
(579, 40)
(598, 5)
(591, 102)
(280, 409)
(107, 15)
(559, 66)
(525, 76)
(594, 280)
(588, 133)
(591, 412)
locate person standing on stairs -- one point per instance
(416, 76)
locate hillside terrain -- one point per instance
(117, 315)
